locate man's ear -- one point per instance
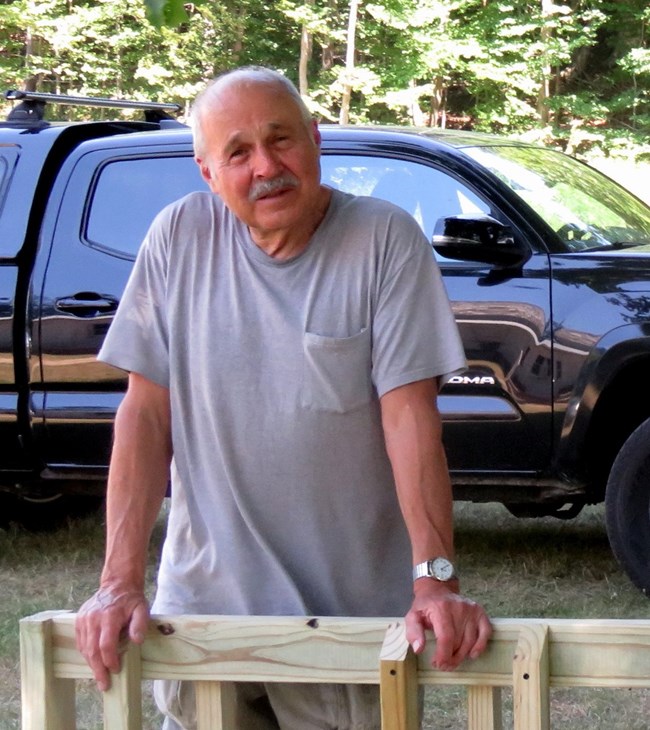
(315, 132)
(207, 175)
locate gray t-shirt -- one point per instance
(283, 500)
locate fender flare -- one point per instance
(616, 350)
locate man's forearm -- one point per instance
(412, 429)
(137, 482)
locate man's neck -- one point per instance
(285, 244)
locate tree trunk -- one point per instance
(305, 54)
(544, 86)
(240, 30)
(415, 112)
(344, 116)
(438, 116)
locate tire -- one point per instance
(627, 507)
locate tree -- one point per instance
(576, 72)
(348, 78)
(108, 47)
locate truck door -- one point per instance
(94, 229)
(11, 238)
(497, 415)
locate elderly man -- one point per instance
(284, 343)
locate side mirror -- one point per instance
(478, 238)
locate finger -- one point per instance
(415, 631)
(139, 623)
(100, 673)
(467, 638)
(109, 642)
(92, 654)
(83, 628)
(87, 640)
(80, 634)
(484, 634)
(445, 633)
(474, 637)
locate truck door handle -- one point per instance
(87, 304)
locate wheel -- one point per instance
(627, 507)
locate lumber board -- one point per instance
(48, 702)
(283, 649)
(123, 701)
(530, 679)
(484, 710)
(215, 705)
(398, 682)
(584, 653)
(600, 654)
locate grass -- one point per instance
(543, 567)
(516, 568)
(550, 569)
(48, 570)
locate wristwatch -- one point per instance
(439, 568)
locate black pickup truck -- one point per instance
(547, 263)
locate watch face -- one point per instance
(442, 569)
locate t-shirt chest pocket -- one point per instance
(336, 372)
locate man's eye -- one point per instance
(237, 156)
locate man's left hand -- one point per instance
(461, 626)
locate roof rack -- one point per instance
(32, 105)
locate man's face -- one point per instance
(261, 157)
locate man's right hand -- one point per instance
(103, 623)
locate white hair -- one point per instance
(208, 98)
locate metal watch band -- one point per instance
(428, 570)
(422, 570)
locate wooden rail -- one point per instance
(528, 655)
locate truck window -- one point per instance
(427, 193)
(127, 195)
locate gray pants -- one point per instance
(279, 706)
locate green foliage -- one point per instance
(567, 68)
(166, 12)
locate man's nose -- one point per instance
(265, 162)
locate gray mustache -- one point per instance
(267, 187)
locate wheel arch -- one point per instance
(611, 399)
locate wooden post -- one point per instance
(484, 708)
(48, 703)
(215, 705)
(123, 701)
(398, 682)
(530, 679)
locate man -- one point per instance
(284, 344)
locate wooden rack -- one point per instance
(528, 655)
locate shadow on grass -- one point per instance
(542, 567)
(489, 528)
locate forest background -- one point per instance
(574, 75)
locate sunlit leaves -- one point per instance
(166, 12)
(507, 65)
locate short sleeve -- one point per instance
(415, 335)
(137, 340)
